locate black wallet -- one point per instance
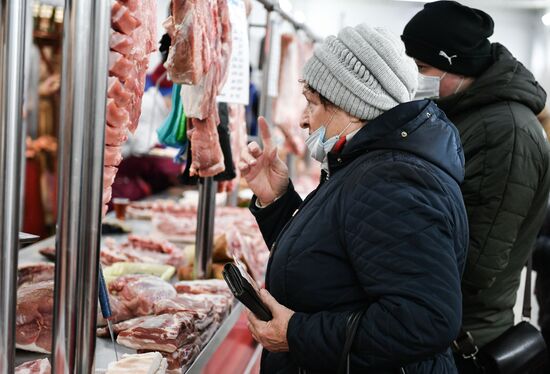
(245, 292)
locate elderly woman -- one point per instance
(385, 232)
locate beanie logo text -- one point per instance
(450, 58)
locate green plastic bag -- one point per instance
(172, 132)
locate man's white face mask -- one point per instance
(428, 86)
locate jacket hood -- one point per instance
(418, 127)
(506, 80)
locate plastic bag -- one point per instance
(172, 132)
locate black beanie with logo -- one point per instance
(451, 37)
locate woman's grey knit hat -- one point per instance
(363, 71)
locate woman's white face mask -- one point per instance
(318, 146)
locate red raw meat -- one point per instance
(103, 332)
(113, 155)
(179, 360)
(116, 116)
(34, 367)
(118, 92)
(109, 173)
(122, 19)
(115, 136)
(48, 252)
(166, 333)
(142, 249)
(132, 5)
(107, 194)
(140, 293)
(34, 273)
(119, 66)
(121, 43)
(208, 286)
(34, 316)
(205, 149)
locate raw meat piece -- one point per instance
(107, 194)
(290, 103)
(166, 333)
(237, 131)
(118, 92)
(120, 326)
(34, 367)
(143, 249)
(225, 40)
(141, 292)
(203, 315)
(179, 360)
(119, 311)
(132, 5)
(113, 155)
(121, 43)
(181, 229)
(150, 24)
(122, 20)
(208, 286)
(116, 116)
(34, 273)
(119, 66)
(205, 148)
(145, 363)
(34, 316)
(115, 136)
(48, 252)
(109, 173)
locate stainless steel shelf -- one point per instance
(210, 348)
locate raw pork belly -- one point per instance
(132, 40)
(166, 332)
(145, 363)
(139, 293)
(199, 59)
(206, 286)
(34, 367)
(179, 360)
(34, 316)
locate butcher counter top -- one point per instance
(104, 349)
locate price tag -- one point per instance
(236, 88)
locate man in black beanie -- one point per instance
(493, 101)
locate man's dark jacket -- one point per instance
(386, 233)
(505, 187)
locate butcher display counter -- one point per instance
(239, 346)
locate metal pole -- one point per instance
(12, 36)
(83, 98)
(205, 227)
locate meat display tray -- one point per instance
(104, 349)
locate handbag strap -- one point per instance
(527, 293)
(351, 330)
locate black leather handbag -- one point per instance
(521, 348)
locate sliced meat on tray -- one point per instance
(166, 332)
(34, 316)
(34, 367)
(180, 360)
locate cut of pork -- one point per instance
(166, 332)
(34, 316)
(34, 273)
(34, 367)
(145, 363)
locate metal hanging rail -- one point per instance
(82, 127)
(271, 7)
(12, 36)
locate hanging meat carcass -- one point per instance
(133, 38)
(290, 103)
(199, 60)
